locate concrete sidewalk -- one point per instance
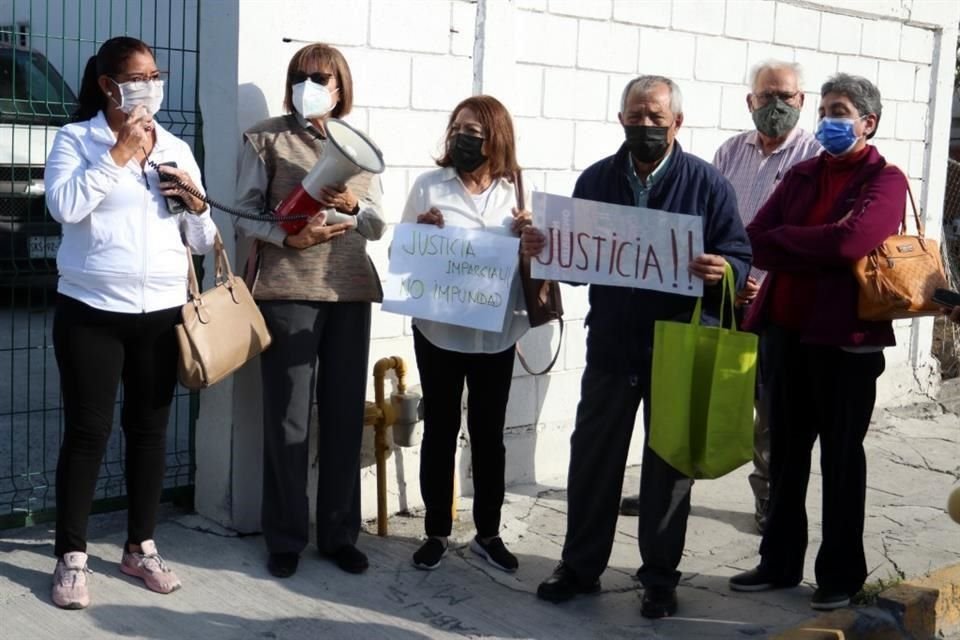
(914, 461)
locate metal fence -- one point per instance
(44, 45)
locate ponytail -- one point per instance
(109, 61)
(91, 99)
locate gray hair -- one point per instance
(862, 93)
(775, 65)
(646, 83)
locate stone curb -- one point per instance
(919, 609)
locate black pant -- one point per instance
(96, 350)
(598, 456)
(828, 393)
(488, 377)
(322, 348)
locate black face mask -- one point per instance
(646, 144)
(465, 152)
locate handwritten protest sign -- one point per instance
(453, 275)
(612, 244)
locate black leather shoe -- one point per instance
(828, 600)
(563, 584)
(658, 602)
(759, 580)
(630, 505)
(283, 565)
(350, 559)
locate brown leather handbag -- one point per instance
(898, 278)
(222, 328)
(544, 303)
(542, 297)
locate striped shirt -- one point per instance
(753, 175)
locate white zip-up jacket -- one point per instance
(121, 249)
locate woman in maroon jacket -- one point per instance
(828, 212)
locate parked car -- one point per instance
(35, 102)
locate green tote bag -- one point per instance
(702, 392)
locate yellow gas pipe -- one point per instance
(381, 414)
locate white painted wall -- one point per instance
(559, 66)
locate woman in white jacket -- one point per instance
(123, 274)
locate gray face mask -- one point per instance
(776, 119)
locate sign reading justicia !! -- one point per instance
(618, 245)
(451, 274)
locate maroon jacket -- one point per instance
(782, 242)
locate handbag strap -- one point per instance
(916, 212)
(521, 205)
(553, 361)
(222, 268)
(518, 187)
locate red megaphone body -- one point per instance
(347, 153)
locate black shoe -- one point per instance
(759, 580)
(283, 565)
(430, 553)
(349, 559)
(828, 600)
(630, 505)
(495, 553)
(658, 602)
(563, 584)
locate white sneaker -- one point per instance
(70, 581)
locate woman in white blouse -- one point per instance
(473, 188)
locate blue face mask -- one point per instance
(836, 135)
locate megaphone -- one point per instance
(348, 153)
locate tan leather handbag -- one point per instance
(898, 278)
(222, 328)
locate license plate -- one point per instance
(44, 246)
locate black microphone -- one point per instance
(285, 39)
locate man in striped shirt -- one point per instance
(754, 162)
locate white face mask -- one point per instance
(312, 100)
(149, 93)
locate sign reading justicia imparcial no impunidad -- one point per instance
(451, 274)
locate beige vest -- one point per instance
(338, 270)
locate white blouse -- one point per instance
(491, 211)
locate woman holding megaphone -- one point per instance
(314, 287)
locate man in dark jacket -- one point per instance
(650, 170)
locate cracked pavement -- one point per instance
(913, 459)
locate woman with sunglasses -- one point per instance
(314, 288)
(123, 279)
(473, 188)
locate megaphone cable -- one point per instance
(270, 216)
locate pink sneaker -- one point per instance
(70, 581)
(150, 567)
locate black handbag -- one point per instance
(542, 297)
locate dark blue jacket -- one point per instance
(620, 321)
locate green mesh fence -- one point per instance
(44, 45)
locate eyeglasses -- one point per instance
(318, 78)
(472, 130)
(767, 96)
(139, 77)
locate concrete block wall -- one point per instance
(559, 66)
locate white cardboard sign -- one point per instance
(611, 244)
(453, 275)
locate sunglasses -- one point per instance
(319, 78)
